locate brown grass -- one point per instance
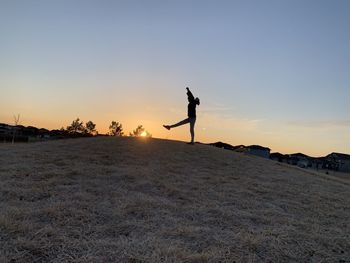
(131, 200)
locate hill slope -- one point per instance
(136, 200)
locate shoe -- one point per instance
(190, 143)
(166, 127)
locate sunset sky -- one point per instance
(273, 73)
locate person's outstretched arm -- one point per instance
(189, 95)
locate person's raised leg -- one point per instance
(177, 124)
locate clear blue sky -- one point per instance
(274, 73)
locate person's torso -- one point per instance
(191, 110)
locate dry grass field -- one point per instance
(134, 200)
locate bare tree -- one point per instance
(16, 120)
(116, 129)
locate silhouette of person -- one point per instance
(191, 113)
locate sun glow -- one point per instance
(144, 134)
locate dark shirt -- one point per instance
(191, 108)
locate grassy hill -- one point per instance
(136, 200)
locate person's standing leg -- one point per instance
(192, 123)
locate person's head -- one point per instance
(197, 101)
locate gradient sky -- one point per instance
(274, 73)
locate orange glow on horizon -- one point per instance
(234, 132)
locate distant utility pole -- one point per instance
(16, 119)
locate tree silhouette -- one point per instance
(116, 129)
(148, 134)
(76, 127)
(90, 128)
(140, 131)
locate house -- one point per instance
(4, 129)
(44, 133)
(279, 157)
(31, 131)
(316, 163)
(223, 145)
(226, 146)
(5, 132)
(300, 159)
(258, 150)
(338, 161)
(240, 149)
